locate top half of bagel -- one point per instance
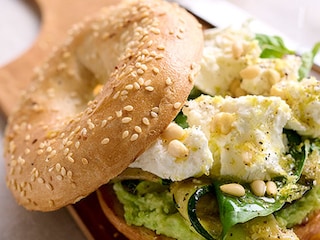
(66, 138)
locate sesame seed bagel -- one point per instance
(68, 136)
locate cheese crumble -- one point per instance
(236, 131)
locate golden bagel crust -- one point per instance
(63, 142)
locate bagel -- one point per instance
(67, 136)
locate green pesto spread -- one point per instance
(154, 210)
(295, 213)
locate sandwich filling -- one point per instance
(241, 159)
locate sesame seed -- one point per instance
(155, 30)
(149, 88)
(119, 113)
(21, 160)
(53, 153)
(147, 83)
(149, 43)
(129, 87)
(27, 151)
(141, 81)
(124, 92)
(134, 137)
(134, 74)
(154, 114)
(66, 151)
(105, 141)
(136, 85)
(138, 129)
(63, 171)
(70, 159)
(90, 124)
(49, 186)
(159, 56)
(64, 141)
(51, 203)
(128, 108)
(155, 109)
(83, 132)
(146, 121)
(179, 36)
(160, 47)
(177, 105)
(104, 123)
(58, 167)
(84, 161)
(144, 67)
(116, 95)
(40, 151)
(146, 51)
(138, 65)
(155, 70)
(40, 180)
(69, 174)
(125, 134)
(77, 144)
(59, 177)
(168, 81)
(126, 120)
(27, 137)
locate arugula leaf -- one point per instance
(181, 120)
(307, 61)
(272, 46)
(235, 210)
(298, 149)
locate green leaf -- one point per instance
(181, 120)
(307, 61)
(272, 46)
(298, 149)
(234, 210)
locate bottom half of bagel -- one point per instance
(114, 212)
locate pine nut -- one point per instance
(272, 75)
(233, 189)
(250, 72)
(271, 188)
(235, 89)
(258, 187)
(173, 131)
(237, 49)
(222, 122)
(275, 91)
(177, 149)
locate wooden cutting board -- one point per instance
(57, 16)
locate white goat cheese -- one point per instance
(158, 160)
(245, 134)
